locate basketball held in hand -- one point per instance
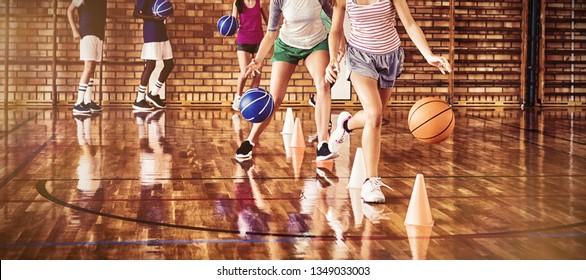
(256, 105)
(227, 25)
(163, 8)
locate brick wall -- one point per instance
(565, 52)
(487, 52)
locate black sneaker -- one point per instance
(311, 100)
(156, 100)
(244, 152)
(324, 153)
(93, 107)
(142, 105)
(81, 109)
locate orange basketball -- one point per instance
(431, 120)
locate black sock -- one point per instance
(345, 126)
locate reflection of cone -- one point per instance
(288, 125)
(327, 164)
(356, 201)
(297, 138)
(358, 174)
(297, 158)
(286, 142)
(419, 213)
(418, 240)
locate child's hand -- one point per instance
(440, 62)
(332, 71)
(252, 68)
(76, 35)
(158, 18)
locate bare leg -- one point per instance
(316, 65)
(244, 58)
(281, 74)
(89, 67)
(370, 118)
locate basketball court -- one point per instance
(508, 183)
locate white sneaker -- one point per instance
(340, 135)
(371, 190)
(236, 102)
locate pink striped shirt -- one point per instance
(373, 27)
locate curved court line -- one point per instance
(42, 190)
(305, 178)
(26, 162)
(316, 197)
(5, 133)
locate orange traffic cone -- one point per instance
(358, 174)
(419, 212)
(418, 240)
(297, 140)
(288, 125)
(297, 158)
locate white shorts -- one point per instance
(157, 51)
(90, 48)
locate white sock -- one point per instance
(81, 93)
(141, 92)
(88, 92)
(158, 86)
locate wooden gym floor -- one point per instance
(509, 184)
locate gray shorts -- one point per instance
(385, 68)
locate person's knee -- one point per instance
(322, 86)
(169, 65)
(149, 66)
(374, 117)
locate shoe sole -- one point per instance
(155, 103)
(241, 159)
(380, 200)
(141, 109)
(79, 113)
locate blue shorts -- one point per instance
(385, 68)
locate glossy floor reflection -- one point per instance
(508, 184)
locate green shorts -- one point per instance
(284, 52)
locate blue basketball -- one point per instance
(162, 8)
(256, 105)
(227, 25)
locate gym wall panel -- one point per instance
(487, 52)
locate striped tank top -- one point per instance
(373, 27)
